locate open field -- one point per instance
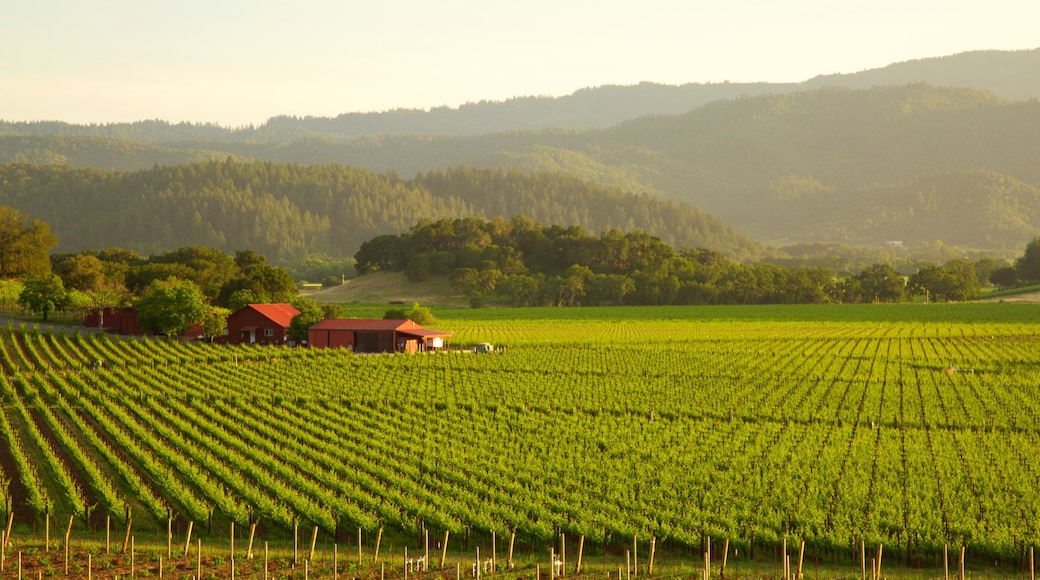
(911, 426)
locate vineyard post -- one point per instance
(650, 566)
(458, 571)
(494, 551)
(335, 561)
(512, 537)
(198, 559)
(863, 558)
(232, 545)
(379, 540)
(131, 556)
(552, 563)
(444, 548)
(783, 560)
(725, 556)
(265, 559)
(707, 558)
(946, 563)
(90, 562)
(68, 532)
(960, 566)
(801, 555)
(382, 570)
(10, 522)
(405, 562)
(879, 549)
(3, 550)
(314, 542)
(873, 569)
(187, 541)
(635, 556)
(252, 534)
(426, 547)
(169, 537)
(359, 547)
(47, 531)
(126, 539)
(1030, 563)
(581, 552)
(477, 564)
(108, 534)
(296, 543)
(628, 565)
(563, 555)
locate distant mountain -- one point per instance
(1008, 74)
(288, 212)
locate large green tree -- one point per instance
(43, 294)
(24, 245)
(1028, 266)
(170, 306)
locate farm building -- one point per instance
(124, 321)
(260, 324)
(371, 336)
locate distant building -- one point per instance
(260, 324)
(375, 336)
(124, 321)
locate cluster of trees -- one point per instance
(520, 262)
(293, 213)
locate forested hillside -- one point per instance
(288, 211)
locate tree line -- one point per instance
(520, 262)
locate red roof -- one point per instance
(370, 325)
(281, 314)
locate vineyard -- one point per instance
(914, 427)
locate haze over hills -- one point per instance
(915, 163)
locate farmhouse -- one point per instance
(260, 324)
(371, 336)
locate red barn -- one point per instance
(366, 335)
(260, 324)
(124, 321)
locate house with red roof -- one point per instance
(374, 336)
(260, 324)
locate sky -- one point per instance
(240, 62)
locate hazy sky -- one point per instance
(238, 62)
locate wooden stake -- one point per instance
(725, 556)
(581, 552)
(90, 562)
(7, 534)
(650, 566)
(879, 550)
(628, 565)
(47, 532)
(3, 550)
(512, 537)
(406, 563)
(252, 534)
(801, 554)
(1031, 563)
(426, 552)
(478, 562)
(563, 555)
(335, 562)
(444, 548)
(314, 542)
(863, 558)
(946, 563)
(108, 534)
(265, 559)
(783, 560)
(198, 559)
(132, 556)
(187, 541)
(126, 540)
(961, 566)
(169, 538)
(635, 556)
(552, 563)
(379, 540)
(359, 547)
(296, 544)
(494, 551)
(232, 544)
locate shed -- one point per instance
(373, 335)
(260, 324)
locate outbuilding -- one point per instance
(375, 336)
(260, 324)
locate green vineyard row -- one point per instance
(900, 430)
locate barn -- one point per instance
(260, 324)
(373, 336)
